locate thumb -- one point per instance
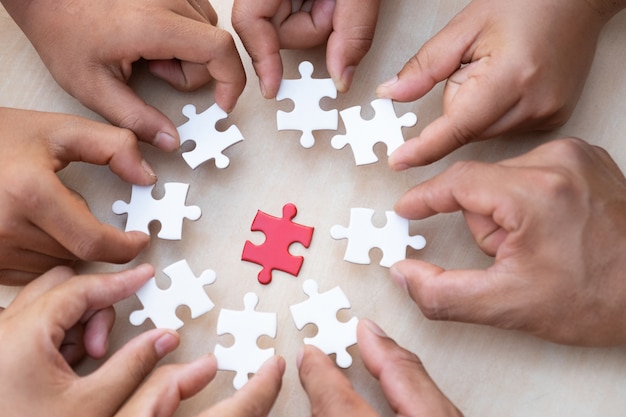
(470, 296)
(117, 102)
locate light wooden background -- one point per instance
(486, 372)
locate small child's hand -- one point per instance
(267, 26)
(510, 66)
(90, 47)
(42, 223)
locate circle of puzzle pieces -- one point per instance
(363, 134)
(169, 210)
(362, 236)
(159, 305)
(244, 356)
(280, 234)
(307, 115)
(333, 336)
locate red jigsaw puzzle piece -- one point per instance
(280, 233)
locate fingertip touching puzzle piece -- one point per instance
(169, 211)
(247, 325)
(274, 253)
(363, 134)
(307, 115)
(362, 236)
(333, 336)
(159, 305)
(210, 142)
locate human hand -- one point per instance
(90, 47)
(265, 27)
(510, 66)
(163, 392)
(42, 223)
(39, 381)
(407, 386)
(555, 220)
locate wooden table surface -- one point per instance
(485, 371)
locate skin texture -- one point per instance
(36, 325)
(555, 221)
(502, 76)
(44, 224)
(407, 386)
(178, 38)
(265, 27)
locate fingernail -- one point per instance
(263, 89)
(381, 90)
(390, 82)
(299, 357)
(375, 328)
(148, 169)
(343, 83)
(281, 364)
(166, 343)
(399, 278)
(165, 141)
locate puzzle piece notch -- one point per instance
(363, 134)
(280, 234)
(210, 142)
(362, 236)
(307, 115)
(170, 210)
(244, 356)
(333, 336)
(159, 305)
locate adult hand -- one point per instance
(163, 392)
(44, 224)
(34, 326)
(265, 27)
(407, 386)
(90, 47)
(510, 66)
(555, 220)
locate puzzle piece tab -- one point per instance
(362, 134)
(333, 336)
(244, 356)
(362, 236)
(280, 233)
(169, 211)
(307, 114)
(210, 142)
(185, 289)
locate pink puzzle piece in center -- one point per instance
(274, 253)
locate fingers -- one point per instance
(67, 218)
(406, 384)
(168, 386)
(98, 326)
(470, 296)
(257, 397)
(128, 367)
(354, 24)
(110, 97)
(84, 140)
(252, 22)
(329, 391)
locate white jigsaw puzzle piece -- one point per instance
(170, 211)
(159, 305)
(210, 142)
(362, 236)
(307, 115)
(362, 134)
(244, 356)
(333, 336)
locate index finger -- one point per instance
(251, 19)
(354, 25)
